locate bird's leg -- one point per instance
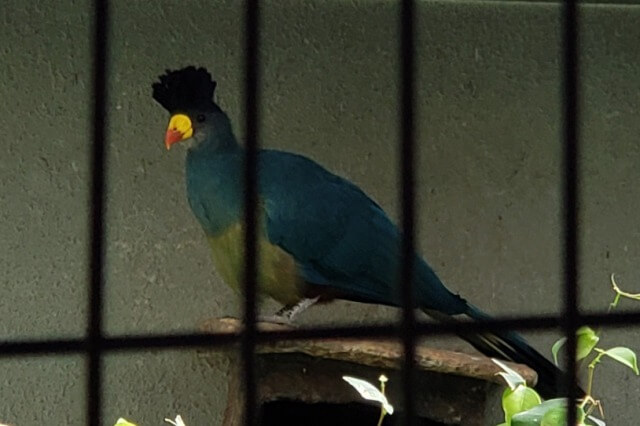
(288, 312)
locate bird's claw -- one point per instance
(276, 319)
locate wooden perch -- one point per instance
(452, 388)
(377, 353)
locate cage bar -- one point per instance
(95, 345)
(97, 212)
(252, 72)
(407, 181)
(570, 195)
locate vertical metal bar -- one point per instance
(252, 19)
(97, 211)
(571, 201)
(407, 141)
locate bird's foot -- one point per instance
(276, 319)
(285, 315)
(291, 311)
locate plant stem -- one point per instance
(619, 292)
(382, 413)
(383, 380)
(592, 369)
(616, 299)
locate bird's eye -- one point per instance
(200, 118)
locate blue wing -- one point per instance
(338, 236)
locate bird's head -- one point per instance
(187, 94)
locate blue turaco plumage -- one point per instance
(320, 236)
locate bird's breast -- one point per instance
(214, 192)
(277, 275)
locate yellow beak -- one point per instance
(179, 129)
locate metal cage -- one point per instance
(95, 344)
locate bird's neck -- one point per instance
(214, 184)
(217, 139)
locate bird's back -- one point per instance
(339, 236)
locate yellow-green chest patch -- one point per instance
(277, 277)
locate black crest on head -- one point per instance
(184, 89)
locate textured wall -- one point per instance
(488, 189)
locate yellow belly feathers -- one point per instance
(277, 276)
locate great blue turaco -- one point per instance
(320, 236)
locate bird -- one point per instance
(320, 237)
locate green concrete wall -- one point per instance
(488, 174)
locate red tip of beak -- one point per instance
(172, 137)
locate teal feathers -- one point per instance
(319, 234)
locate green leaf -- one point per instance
(556, 347)
(586, 341)
(511, 376)
(549, 413)
(556, 416)
(124, 422)
(624, 356)
(177, 422)
(534, 416)
(369, 392)
(517, 400)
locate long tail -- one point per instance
(510, 346)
